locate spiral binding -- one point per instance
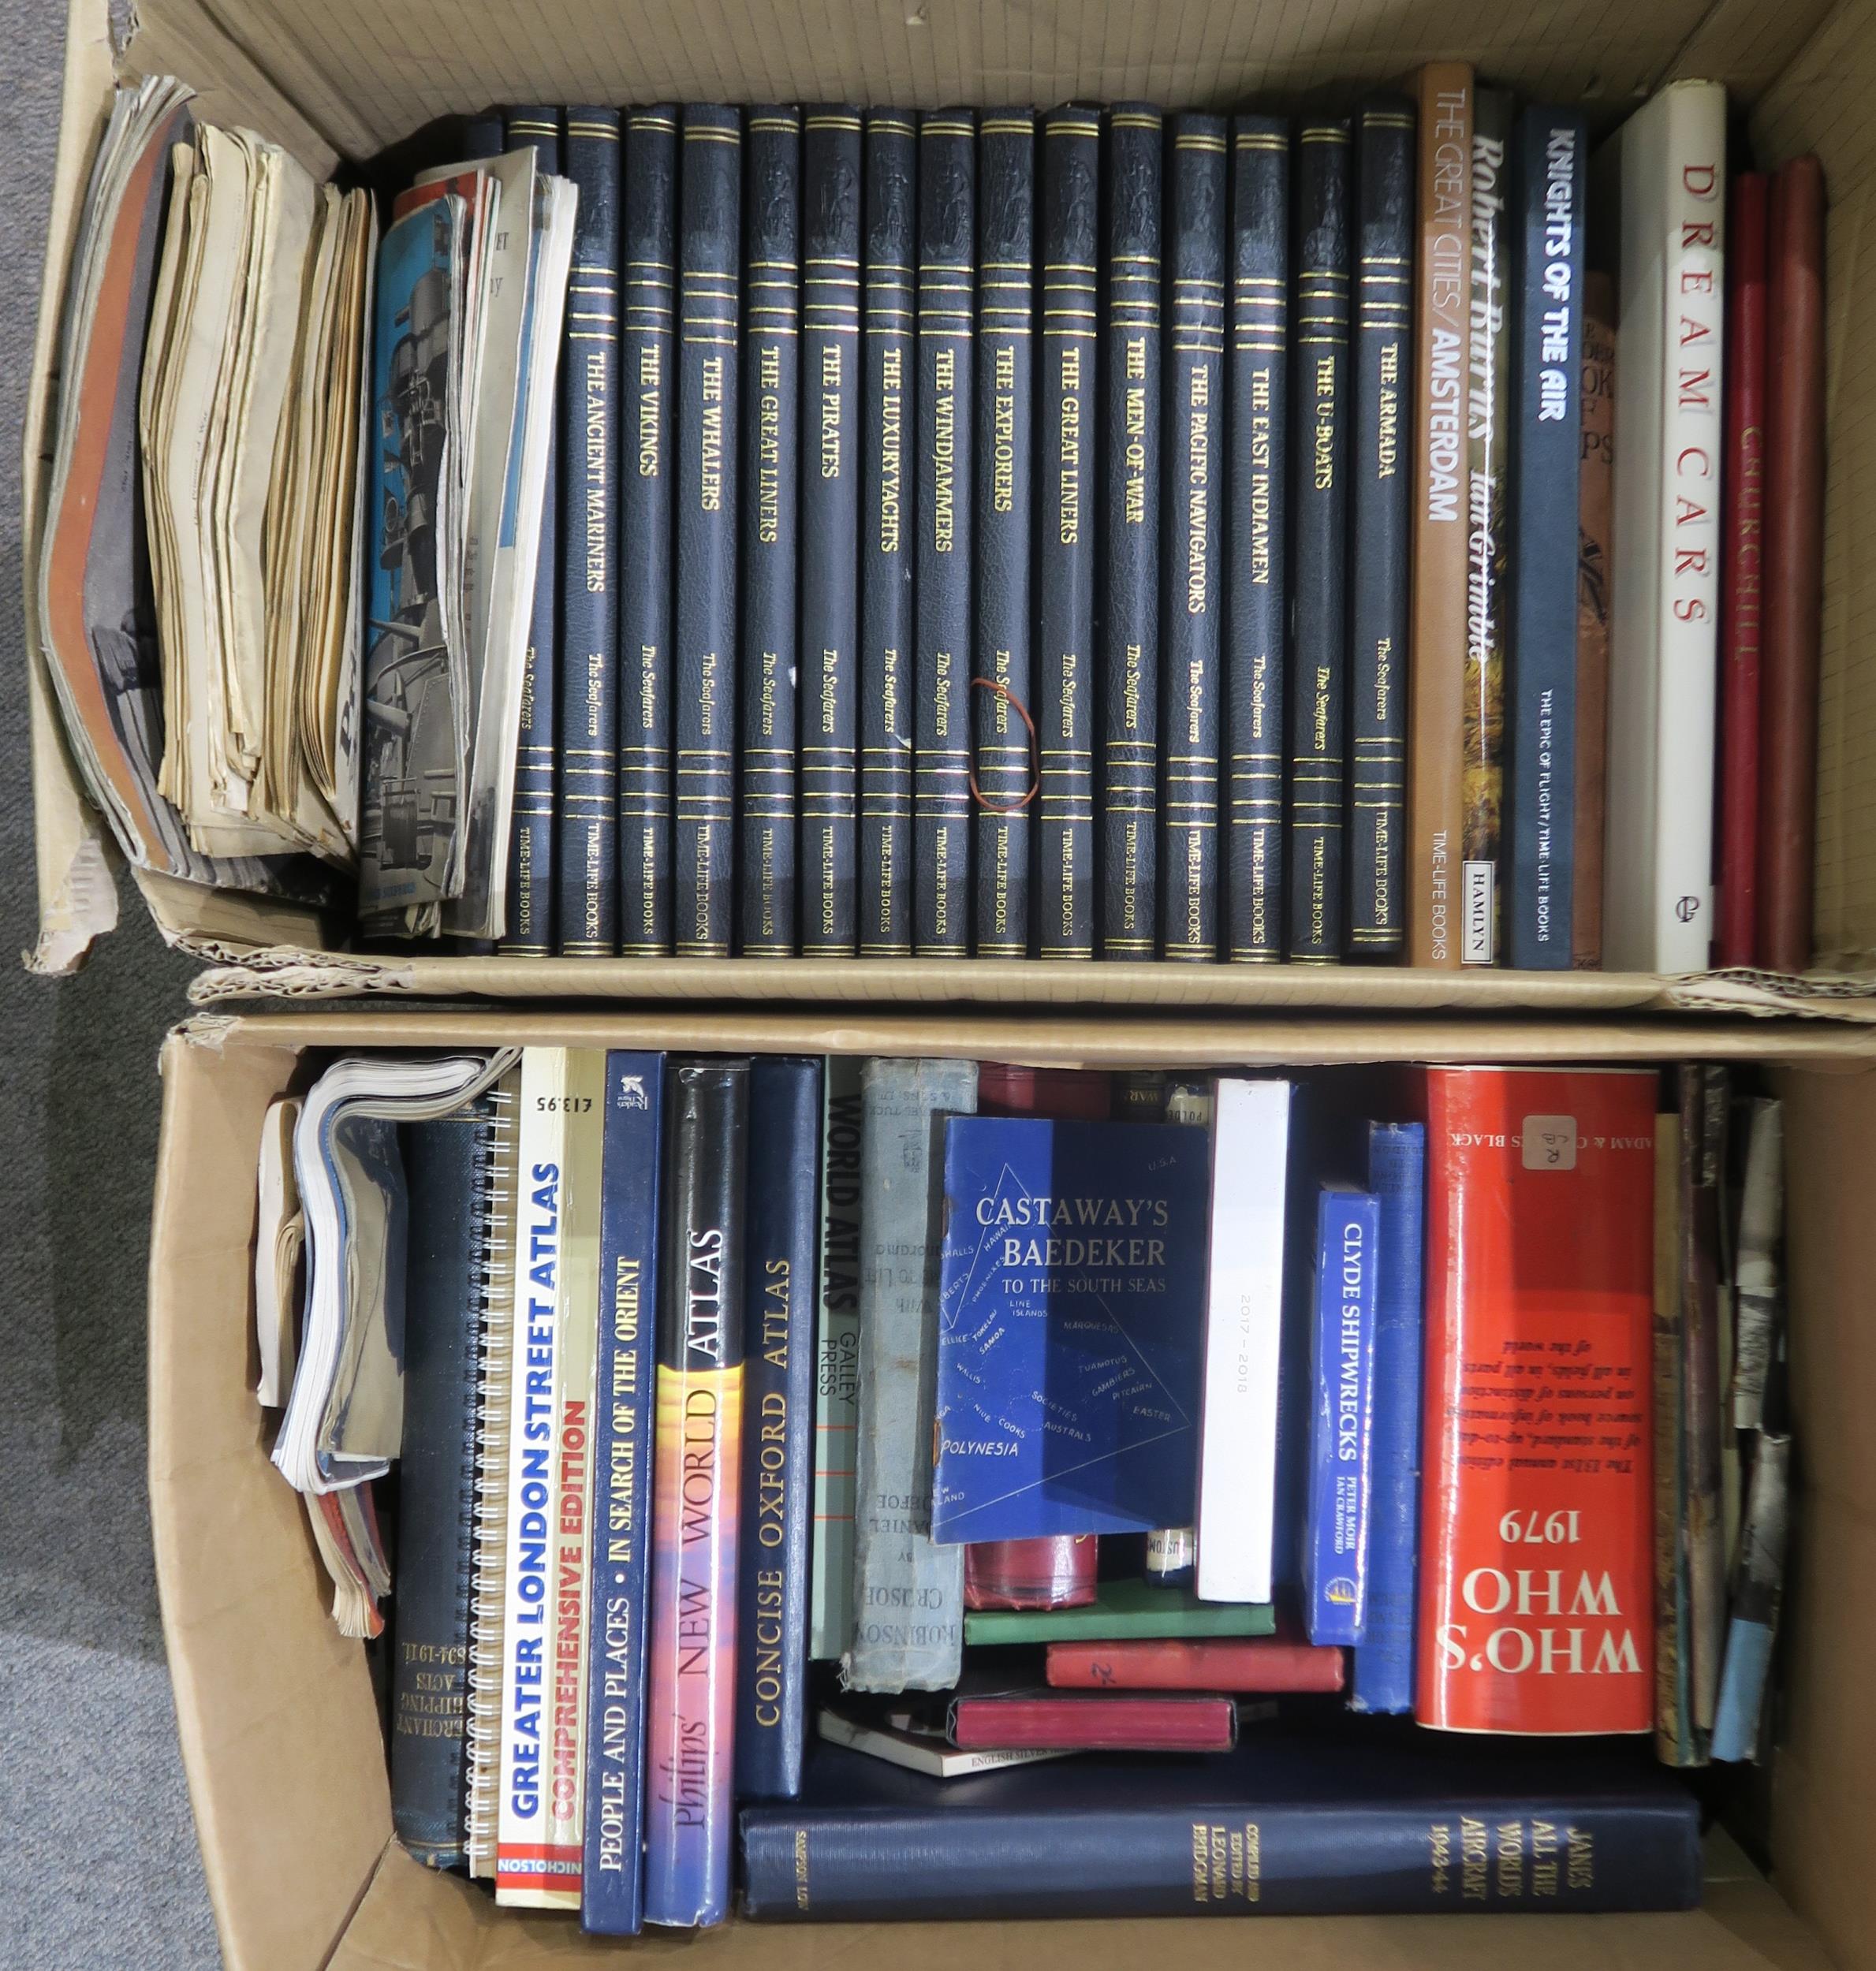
(496, 1166)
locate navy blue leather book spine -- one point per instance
(1342, 1827)
(586, 854)
(830, 549)
(482, 135)
(940, 711)
(1259, 577)
(780, 1296)
(1540, 792)
(703, 722)
(1380, 547)
(1006, 404)
(446, 1180)
(771, 366)
(1318, 544)
(612, 1884)
(888, 536)
(1192, 585)
(1382, 1676)
(647, 344)
(1128, 481)
(530, 840)
(1067, 505)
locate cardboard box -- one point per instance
(280, 1731)
(342, 79)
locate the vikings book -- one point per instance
(1540, 1186)
(696, 1495)
(612, 1878)
(1335, 1531)
(1288, 1825)
(778, 1472)
(1070, 1328)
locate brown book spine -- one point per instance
(1595, 502)
(1436, 721)
(1794, 570)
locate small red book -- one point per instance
(1742, 572)
(1034, 1720)
(1263, 1664)
(1536, 1567)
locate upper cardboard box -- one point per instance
(342, 79)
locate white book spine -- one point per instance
(1671, 160)
(527, 1625)
(1237, 1449)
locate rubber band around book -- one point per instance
(1035, 759)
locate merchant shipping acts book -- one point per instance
(1536, 1580)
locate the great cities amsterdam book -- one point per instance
(1070, 1318)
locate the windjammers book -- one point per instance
(1536, 1516)
(612, 1879)
(1071, 1328)
(696, 1500)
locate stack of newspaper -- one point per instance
(471, 282)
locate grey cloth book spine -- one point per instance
(908, 1594)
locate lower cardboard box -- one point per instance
(278, 1720)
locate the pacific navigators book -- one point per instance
(696, 1500)
(1287, 1825)
(612, 1878)
(1335, 1533)
(1070, 1328)
(1536, 1575)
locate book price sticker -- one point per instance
(1550, 1142)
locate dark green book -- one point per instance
(1123, 1611)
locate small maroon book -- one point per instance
(1260, 1664)
(1053, 1720)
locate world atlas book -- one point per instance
(1071, 1328)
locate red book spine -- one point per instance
(1537, 1511)
(1794, 570)
(1260, 1664)
(1085, 1723)
(1742, 570)
(1053, 1571)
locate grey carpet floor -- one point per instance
(102, 1869)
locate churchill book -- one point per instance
(703, 722)
(1123, 1609)
(1257, 1664)
(946, 375)
(1658, 206)
(1380, 506)
(1536, 1575)
(1129, 573)
(1318, 486)
(1487, 432)
(696, 1497)
(1191, 593)
(1437, 677)
(779, 1269)
(586, 854)
(1001, 740)
(888, 537)
(1258, 538)
(531, 832)
(1284, 1826)
(1072, 1251)
(648, 379)
(769, 541)
(837, 1360)
(831, 476)
(1381, 1676)
(1341, 1432)
(908, 1593)
(612, 1878)
(1550, 153)
(1067, 351)
(1594, 561)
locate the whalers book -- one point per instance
(1071, 1328)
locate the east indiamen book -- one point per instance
(1070, 1318)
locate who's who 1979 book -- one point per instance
(1071, 1316)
